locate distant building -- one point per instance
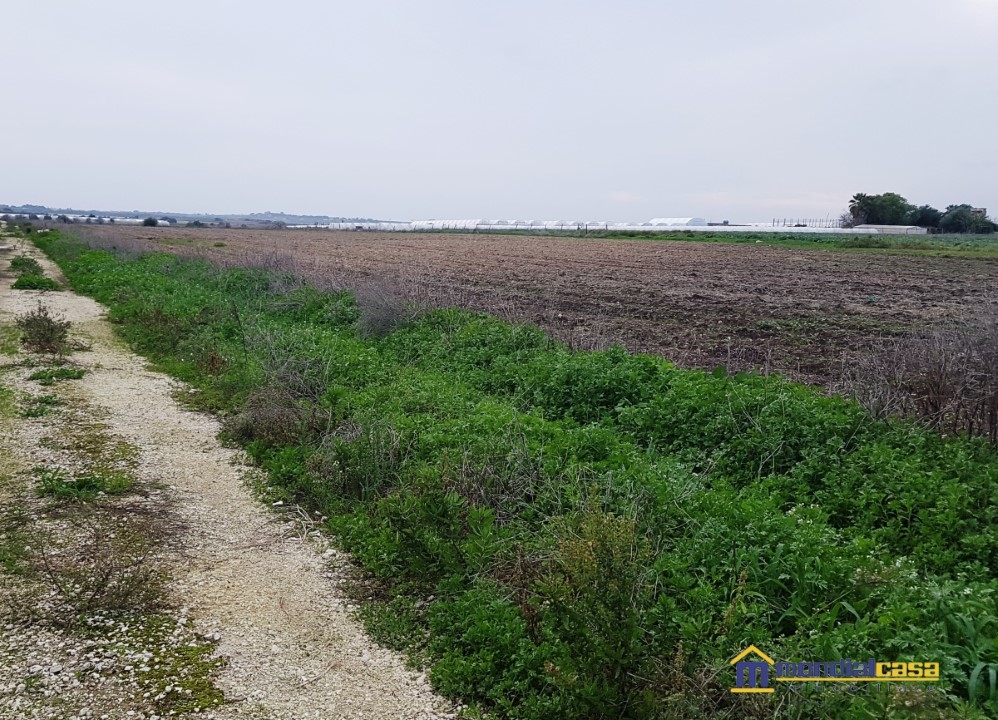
(983, 212)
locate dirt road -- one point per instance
(261, 583)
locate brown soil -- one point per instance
(805, 313)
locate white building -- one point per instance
(892, 229)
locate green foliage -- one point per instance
(49, 376)
(14, 540)
(397, 623)
(7, 403)
(35, 282)
(88, 487)
(40, 406)
(926, 216)
(583, 535)
(892, 209)
(30, 275)
(866, 242)
(10, 339)
(485, 653)
(24, 265)
(963, 219)
(885, 209)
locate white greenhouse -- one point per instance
(678, 222)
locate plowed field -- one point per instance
(805, 313)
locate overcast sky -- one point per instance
(547, 109)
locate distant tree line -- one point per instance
(893, 209)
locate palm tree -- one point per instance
(861, 208)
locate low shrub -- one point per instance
(24, 265)
(43, 332)
(87, 487)
(381, 309)
(98, 563)
(40, 406)
(49, 376)
(946, 378)
(35, 282)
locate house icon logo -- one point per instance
(755, 670)
(752, 674)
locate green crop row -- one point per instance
(583, 535)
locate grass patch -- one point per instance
(103, 453)
(30, 275)
(8, 404)
(49, 376)
(10, 339)
(24, 265)
(179, 677)
(14, 540)
(40, 406)
(88, 487)
(35, 282)
(394, 617)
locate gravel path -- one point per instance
(265, 583)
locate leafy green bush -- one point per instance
(40, 406)
(24, 265)
(35, 282)
(85, 487)
(31, 275)
(49, 376)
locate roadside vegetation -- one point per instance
(30, 275)
(88, 625)
(585, 534)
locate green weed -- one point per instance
(14, 539)
(86, 487)
(35, 282)
(49, 376)
(10, 339)
(24, 265)
(40, 406)
(8, 404)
